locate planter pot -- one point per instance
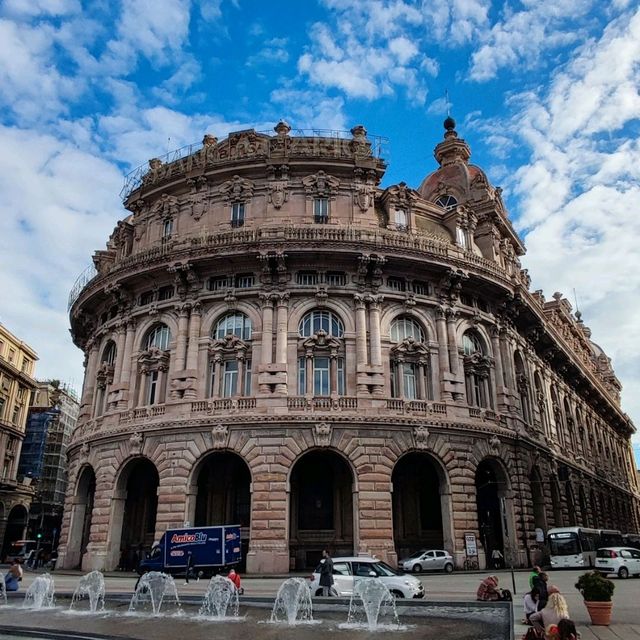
(600, 612)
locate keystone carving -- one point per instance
(322, 434)
(237, 189)
(219, 436)
(320, 184)
(278, 193)
(135, 443)
(420, 437)
(494, 444)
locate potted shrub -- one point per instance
(597, 592)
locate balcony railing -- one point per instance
(416, 406)
(322, 403)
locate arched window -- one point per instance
(234, 324)
(447, 202)
(159, 337)
(477, 369)
(541, 401)
(321, 364)
(403, 328)
(153, 364)
(410, 361)
(230, 357)
(318, 320)
(109, 354)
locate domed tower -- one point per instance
(274, 340)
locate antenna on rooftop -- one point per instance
(446, 98)
(575, 298)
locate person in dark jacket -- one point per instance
(326, 573)
(540, 582)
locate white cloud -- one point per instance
(521, 37)
(454, 22)
(578, 194)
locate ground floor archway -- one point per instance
(321, 508)
(81, 517)
(421, 505)
(17, 520)
(494, 511)
(223, 494)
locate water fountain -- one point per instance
(40, 594)
(155, 589)
(372, 602)
(91, 586)
(3, 591)
(293, 602)
(221, 596)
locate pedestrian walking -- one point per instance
(326, 573)
(189, 567)
(535, 572)
(540, 582)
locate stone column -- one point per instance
(143, 388)
(91, 364)
(281, 336)
(217, 376)
(119, 353)
(361, 331)
(333, 375)
(266, 355)
(374, 330)
(452, 315)
(422, 389)
(125, 374)
(240, 383)
(441, 332)
(507, 360)
(308, 362)
(194, 337)
(181, 338)
(495, 347)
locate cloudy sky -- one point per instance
(545, 92)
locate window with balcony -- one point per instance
(237, 214)
(477, 371)
(321, 210)
(410, 365)
(401, 220)
(153, 365)
(321, 362)
(230, 357)
(167, 229)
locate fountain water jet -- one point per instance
(91, 586)
(221, 596)
(293, 602)
(3, 591)
(155, 589)
(40, 594)
(372, 601)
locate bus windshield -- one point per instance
(564, 544)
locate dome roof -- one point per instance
(454, 179)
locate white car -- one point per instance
(347, 570)
(621, 561)
(428, 560)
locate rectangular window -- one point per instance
(401, 219)
(409, 381)
(230, 378)
(152, 396)
(395, 284)
(212, 380)
(2, 401)
(421, 288)
(219, 283)
(336, 278)
(16, 414)
(165, 293)
(167, 229)
(247, 378)
(466, 300)
(12, 355)
(321, 377)
(307, 277)
(321, 210)
(1, 348)
(461, 237)
(237, 214)
(146, 298)
(341, 386)
(302, 376)
(26, 365)
(245, 280)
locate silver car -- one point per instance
(428, 560)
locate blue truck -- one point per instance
(205, 550)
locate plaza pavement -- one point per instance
(455, 587)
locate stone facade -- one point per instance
(17, 365)
(272, 339)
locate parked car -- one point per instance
(621, 561)
(347, 570)
(428, 560)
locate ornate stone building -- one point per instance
(17, 365)
(272, 339)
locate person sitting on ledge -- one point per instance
(489, 590)
(13, 577)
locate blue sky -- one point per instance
(546, 93)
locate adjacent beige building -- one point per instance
(272, 339)
(17, 365)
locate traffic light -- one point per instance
(39, 536)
